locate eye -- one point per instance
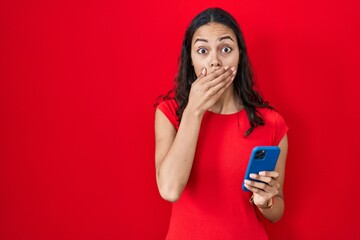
(226, 49)
(202, 51)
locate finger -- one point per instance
(268, 180)
(271, 174)
(253, 189)
(215, 74)
(225, 76)
(203, 72)
(220, 88)
(219, 77)
(259, 185)
(222, 81)
(201, 75)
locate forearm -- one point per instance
(174, 171)
(275, 213)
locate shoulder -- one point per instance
(270, 116)
(274, 121)
(169, 108)
(169, 104)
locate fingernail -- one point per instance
(233, 69)
(262, 173)
(252, 175)
(234, 72)
(247, 181)
(226, 68)
(203, 71)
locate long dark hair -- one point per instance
(243, 82)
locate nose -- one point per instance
(214, 61)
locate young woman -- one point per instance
(204, 137)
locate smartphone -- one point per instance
(263, 158)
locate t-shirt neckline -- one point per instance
(226, 114)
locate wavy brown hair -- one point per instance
(243, 83)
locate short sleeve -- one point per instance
(280, 129)
(169, 107)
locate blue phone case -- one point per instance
(263, 158)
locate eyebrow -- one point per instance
(225, 37)
(220, 39)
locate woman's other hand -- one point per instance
(265, 190)
(207, 89)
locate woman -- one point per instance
(205, 135)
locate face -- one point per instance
(214, 45)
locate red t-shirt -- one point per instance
(213, 204)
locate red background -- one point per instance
(77, 85)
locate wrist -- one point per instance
(193, 112)
(268, 205)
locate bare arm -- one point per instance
(175, 151)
